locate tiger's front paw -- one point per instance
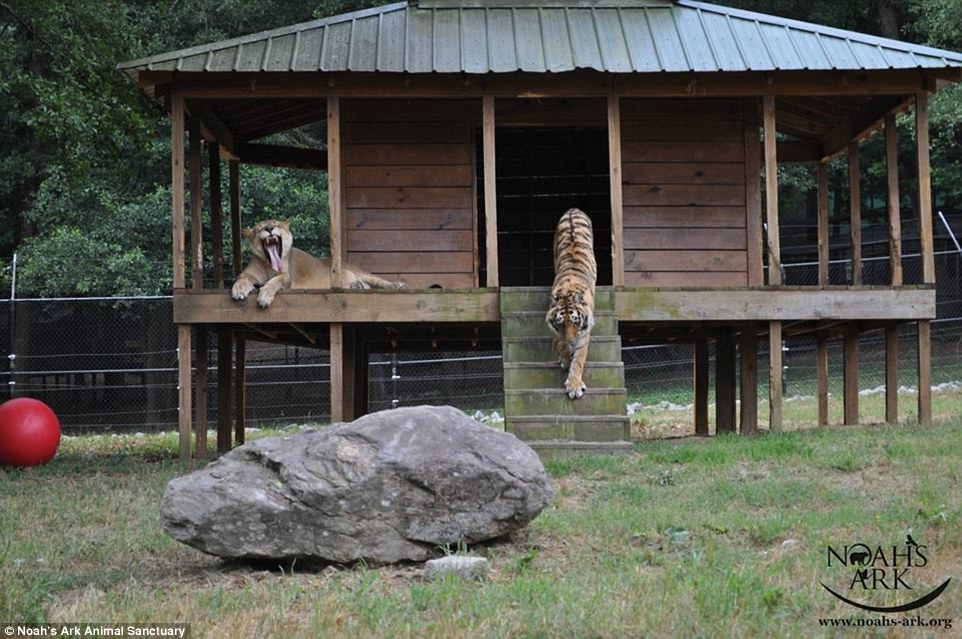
(397, 285)
(241, 289)
(575, 389)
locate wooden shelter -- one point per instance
(458, 131)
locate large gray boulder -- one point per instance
(390, 486)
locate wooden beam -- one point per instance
(224, 370)
(823, 237)
(725, 378)
(490, 190)
(753, 194)
(196, 208)
(615, 185)
(862, 125)
(654, 305)
(821, 368)
(775, 376)
(361, 377)
(925, 188)
(216, 213)
(748, 418)
(771, 192)
(183, 391)
(892, 373)
(177, 187)
(855, 212)
(894, 206)
(301, 306)
(581, 83)
(701, 388)
(925, 372)
(220, 131)
(282, 156)
(201, 387)
(335, 191)
(850, 376)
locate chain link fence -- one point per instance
(111, 364)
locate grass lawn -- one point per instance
(719, 538)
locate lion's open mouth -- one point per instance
(274, 250)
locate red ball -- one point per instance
(29, 432)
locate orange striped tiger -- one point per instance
(572, 311)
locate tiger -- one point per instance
(572, 311)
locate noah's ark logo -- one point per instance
(865, 570)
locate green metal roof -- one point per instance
(618, 36)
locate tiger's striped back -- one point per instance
(571, 314)
(574, 255)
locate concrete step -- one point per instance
(554, 401)
(539, 349)
(532, 324)
(535, 298)
(522, 375)
(561, 449)
(582, 428)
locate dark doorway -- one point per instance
(541, 173)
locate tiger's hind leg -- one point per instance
(574, 385)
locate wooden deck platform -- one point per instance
(481, 305)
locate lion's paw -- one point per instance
(264, 298)
(241, 289)
(397, 285)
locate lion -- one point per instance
(276, 264)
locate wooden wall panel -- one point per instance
(409, 179)
(684, 193)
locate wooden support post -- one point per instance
(224, 365)
(894, 206)
(925, 372)
(823, 252)
(196, 208)
(925, 189)
(753, 194)
(748, 419)
(725, 379)
(701, 388)
(821, 367)
(855, 209)
(335, 188)
(771, 193)
(615, 185)
(197, 282)
(177, 188)
(184, 389)
(490, 190)
(179, 279)
(342, 356)
(775, 376)
(892, 373)
(850, 383)
(216, 213)
(201, 384)
(240, 346)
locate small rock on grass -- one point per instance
(466, 568)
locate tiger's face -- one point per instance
(569, 315)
